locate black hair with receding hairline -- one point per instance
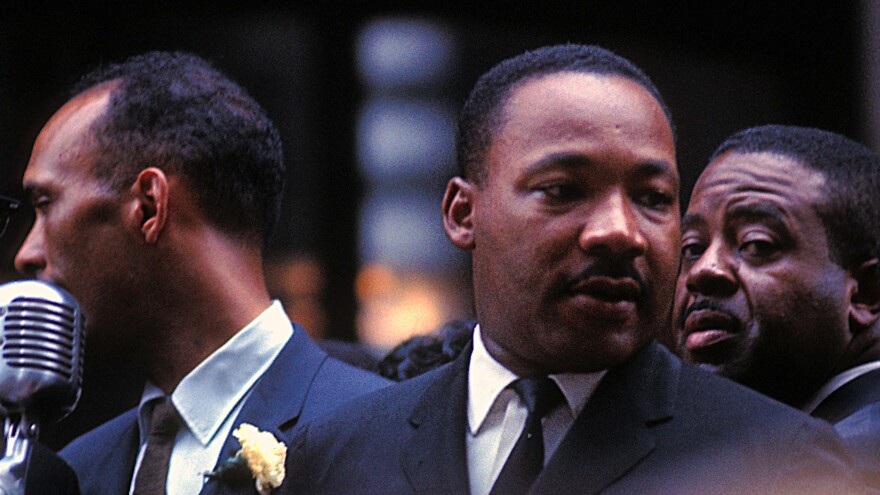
(176, 112)
(480, 118)
(851, 212)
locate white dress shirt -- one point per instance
(496, 415)
(210, 397)
(838, 381)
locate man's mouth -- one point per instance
(705, 329)
(608, 289)
(605, 298)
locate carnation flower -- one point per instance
(264, 455)
(261, 458)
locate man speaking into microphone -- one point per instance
(44, 472)
(155, 187)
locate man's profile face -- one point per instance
(75, 241)
(759, 298)
(576, 225)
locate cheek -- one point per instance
(789, 305)
(679, 298)
(664, 245)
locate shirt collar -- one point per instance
(487, 378)
(206, 396)
(151, 393)
(838, 381)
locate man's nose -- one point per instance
(30, 259)
(711, 274)
(612, 229)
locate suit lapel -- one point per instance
(277, 399)
(613, 432)
(849, 398)
(117, 461)
(434, 460)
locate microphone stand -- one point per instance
(13, 464)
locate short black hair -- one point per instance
(480, 117)
(175, 111)
(851, 212)
(422, 353)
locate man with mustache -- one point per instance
(779, 287)
(567, 202)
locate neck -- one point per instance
(214, 287)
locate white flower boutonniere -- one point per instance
(261, 453)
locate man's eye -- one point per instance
(558, 192)
(758, 248)
(692, 250)
(657, 200)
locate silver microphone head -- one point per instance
(41, 350)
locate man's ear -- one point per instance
(864, 297)
(458, 212)
(150, 209)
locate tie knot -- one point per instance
(539, 393)
(165, 420)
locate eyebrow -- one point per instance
(757, 211)
(691, 221)
(648, 168)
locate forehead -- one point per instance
(592, 113)
(765, 188)
(64, 140)
(734, 177)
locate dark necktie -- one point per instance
(540, 395)
(153, 472)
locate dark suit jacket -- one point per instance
(47, 474)
(653, 426)
(854, 410)
(302, 383)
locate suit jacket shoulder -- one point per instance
(398, 440)
(854, 410)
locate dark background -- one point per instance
(721, 66)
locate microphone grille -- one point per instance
(40, 334)
(41, 349)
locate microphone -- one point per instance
(41, 361)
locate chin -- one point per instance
(599, 354)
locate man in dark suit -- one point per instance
(155, 188)
(779, 288)
(567, 202)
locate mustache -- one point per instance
(702, 304)
(610, 269)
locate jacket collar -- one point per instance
(435, 460)
(613, 433)
(277, 399)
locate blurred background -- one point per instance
(365, 95)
